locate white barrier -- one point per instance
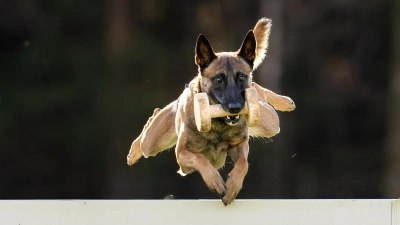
(244, 212)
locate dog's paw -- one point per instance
(134, 153)
(233, 188)
(215, 182)
(133, 158)
(285, 104)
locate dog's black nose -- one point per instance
(234, 107)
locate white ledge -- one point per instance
(282, 212)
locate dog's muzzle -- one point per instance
(232, 120)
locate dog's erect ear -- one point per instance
(204, 52)
(261, 32)
(248, 49)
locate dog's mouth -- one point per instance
(232, 120)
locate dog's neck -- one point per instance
(195, 86)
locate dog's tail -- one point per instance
(261, 32)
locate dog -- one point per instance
(223, 77)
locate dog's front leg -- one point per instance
(234, 183)
(190, 162)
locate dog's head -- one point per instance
(224, 76)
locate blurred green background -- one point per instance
(78, 80)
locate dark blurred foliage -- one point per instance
(78, 80)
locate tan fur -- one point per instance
(261, 31)
(160, 128)
(206, 152)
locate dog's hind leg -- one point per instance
(136, 151)
(160, 134)
(157, 135)
(269, 122)
(279, 102)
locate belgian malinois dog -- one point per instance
(223, 76)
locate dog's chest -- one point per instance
(213, 147)
(215, 151)
(216, 143)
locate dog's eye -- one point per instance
(242, 78)
(218, 80)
